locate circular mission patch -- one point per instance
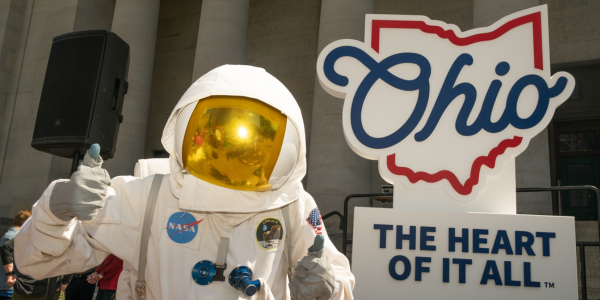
(182, 227)
(269, 233)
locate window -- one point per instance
(578, 141)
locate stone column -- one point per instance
(334, 170)
(486, 12)
(533, 165)
(135, 21)
(13, 28)
(222, 35)
(13, 44)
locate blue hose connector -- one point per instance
(203, 272)
(241, 279)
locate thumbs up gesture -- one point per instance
(84, 194)
(313, 277)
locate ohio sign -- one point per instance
(446, 112)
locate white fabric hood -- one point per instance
(245, 81)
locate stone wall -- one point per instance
(14, 22)
(176, 37)
(574, 30)
(5, 223)
(282, 39)
(459, 12)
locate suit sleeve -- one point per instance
(303, 237)
(47, 246)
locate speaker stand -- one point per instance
(76, 158)
(50, 288)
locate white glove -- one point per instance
(84, 194)
(313, 277)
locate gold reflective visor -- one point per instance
(233, 142)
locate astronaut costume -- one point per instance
(204, 199)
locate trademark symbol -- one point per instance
(549, 285)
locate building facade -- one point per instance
(174, 42)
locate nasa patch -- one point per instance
(182, 227)
(269, 233)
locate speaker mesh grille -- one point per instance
(68, 95)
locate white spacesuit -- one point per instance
(199, 203)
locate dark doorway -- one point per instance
(575, 146)
(578, 161)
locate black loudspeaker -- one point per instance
(82, 96)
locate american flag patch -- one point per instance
(314, 219)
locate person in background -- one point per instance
(25, 287)
(107, 276)
(6, 291)
(61, 286)
(79, 288)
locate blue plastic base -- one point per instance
(203, 272)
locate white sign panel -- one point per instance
(401, 254)
(445, 112)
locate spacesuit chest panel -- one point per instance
(258, 233)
